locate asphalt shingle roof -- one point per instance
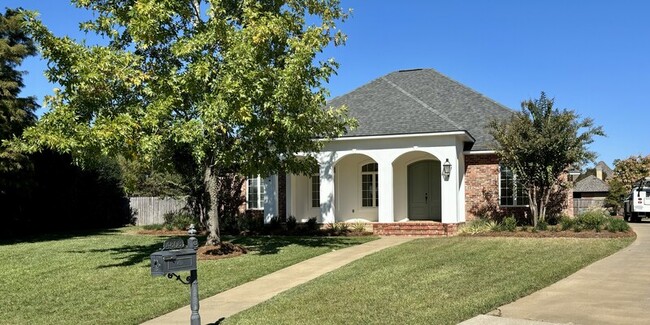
(421, 101)
(591, 184)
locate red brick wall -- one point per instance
(482, 190)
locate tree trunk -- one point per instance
(534, 208)
(210, 177)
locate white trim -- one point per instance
(405, 135)
(481, 152)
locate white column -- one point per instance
(327, 192)
(289, 196)
(385, 210)
(271, 197)
(450, 188)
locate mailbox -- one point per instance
(172, 261)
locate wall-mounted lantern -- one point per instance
(446, 168)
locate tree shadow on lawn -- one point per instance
(130, 255)
(274, 244)
(19, 238)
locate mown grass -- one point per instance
(104, 278)
(432, 281)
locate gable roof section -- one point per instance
(420, 101)
(591, 184)
(605, 168)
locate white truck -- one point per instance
(637, 203)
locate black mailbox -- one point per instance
(172, 261)
(174, 257)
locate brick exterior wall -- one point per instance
(482, 190)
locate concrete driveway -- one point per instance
(614, 290)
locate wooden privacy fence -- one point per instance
(582, 205)
(151, 210)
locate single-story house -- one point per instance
(591, 188)
(421, 152)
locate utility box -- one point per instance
(172, 259)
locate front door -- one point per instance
(424, 190)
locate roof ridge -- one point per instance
(419, 101)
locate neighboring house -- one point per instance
(421, 152)
(591, 188)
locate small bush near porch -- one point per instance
(104, 278)
(432, 281)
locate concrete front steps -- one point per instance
(415, 228)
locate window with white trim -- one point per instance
(370, 185)
(511, 191)
(256, 191)
(315, 191)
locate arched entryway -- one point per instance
(424, 199)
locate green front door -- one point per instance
(424, 190)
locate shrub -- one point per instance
(311, 224)
(250, 222)
(593, 219)
(541, 225)
(617, 225)
(180, 220)
(274, 223)
(475, 226)
(567, 223)
(338, 228)
(359, 227)
(510, 224)
(291, 223)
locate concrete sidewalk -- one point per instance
(252, 293)
(614, 290)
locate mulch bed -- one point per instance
(223, 250)
(555, 234)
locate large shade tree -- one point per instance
(16, 112)
(539, 144)
(235, 83)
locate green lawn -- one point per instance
(431, 281)
(105, 278)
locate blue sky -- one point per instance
(591, 56)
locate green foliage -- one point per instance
(157, 226)
(237, 86)
(593, 219)
(476, 226)
(539, 144)
(567, 223)
(16, 113)
(359, 227)
(617, 225)
(57, 195)
(291, 223)
(338, 228)
(250, 222)
(510, 224)
(312, 224)
(542, 225)
(180, 220)
(274, 223)
(626, 172)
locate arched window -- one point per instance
(369, 185)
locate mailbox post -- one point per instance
(175, 256)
